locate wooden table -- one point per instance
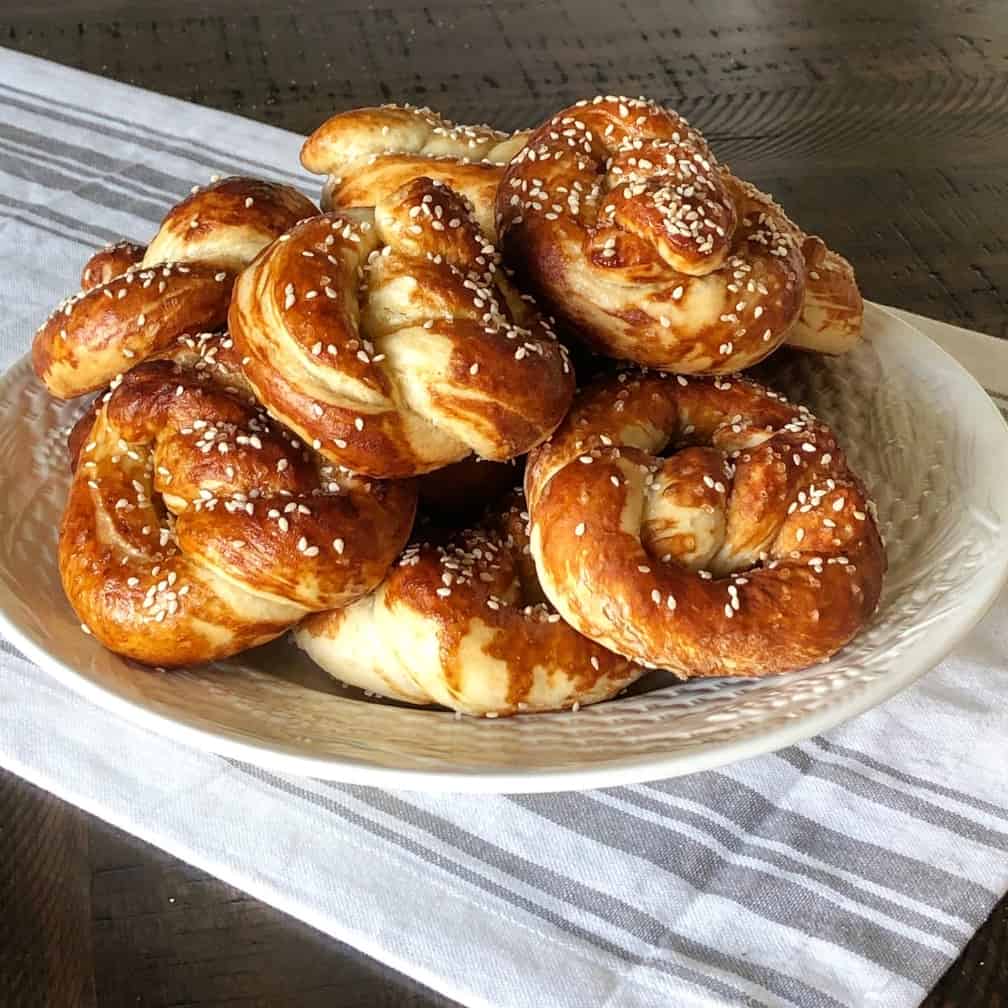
(882, 125)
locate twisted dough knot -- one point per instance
(196, 527)
(180, 284)
(751, 549)
(618, 216)
(465, 625)
(369, 153)
(390, 340)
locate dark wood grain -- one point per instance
(166, 933)
(46, 954)
(883, 124)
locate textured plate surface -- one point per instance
(925, 437)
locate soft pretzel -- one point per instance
(390, 340)
(832, 314)
(196, 527)
(751, 549)
(465, 625)
(369, 153)
(181, 284)
(618, 217)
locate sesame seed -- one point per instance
(579, 529)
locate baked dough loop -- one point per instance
(832, 315)
(750, 549)
(196, 527)
(369, 153)
(390, 340)
(181, 283)
(465, 625)
(619, 218)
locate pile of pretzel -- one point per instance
(319, 420)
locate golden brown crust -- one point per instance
(350, 137)
(759, 556)
(459, 625)
(378, 179)
(369, 153)
(832, 316)
(619, 218)
(109, 262)
(102, 332)
(136, 302)
(227, 223)
(390, 340)
(196, 527)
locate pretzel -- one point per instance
(465, 625)
(390, 340)
(369, 153)
(196, 527)
(832, 315)
(182, 284)
(619, 218)
(751, 549)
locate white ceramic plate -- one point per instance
(929, 443)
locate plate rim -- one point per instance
(614, 773)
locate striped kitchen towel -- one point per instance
(848, 870)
